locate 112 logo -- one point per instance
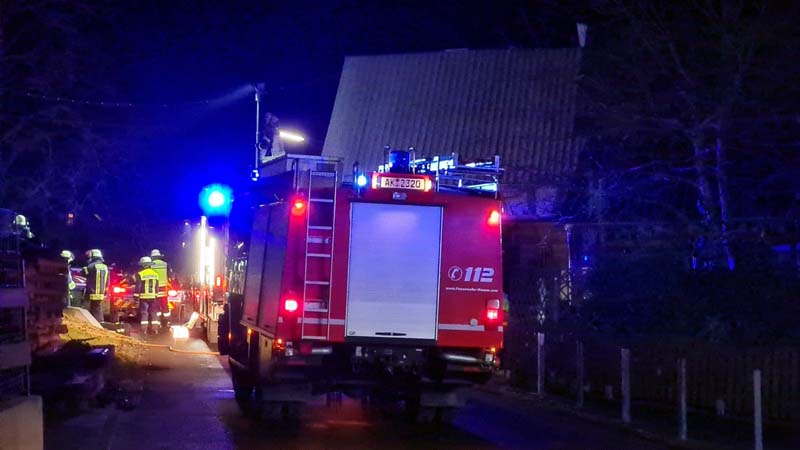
(471, 274)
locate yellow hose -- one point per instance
(194, 352)
(175, 350)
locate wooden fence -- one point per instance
(719, 378)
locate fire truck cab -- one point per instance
(385, 283)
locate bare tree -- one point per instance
(680, 91)
(54, 158)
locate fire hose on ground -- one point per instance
(184, 329)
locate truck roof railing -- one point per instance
(451, 174)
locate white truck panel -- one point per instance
(393, 274)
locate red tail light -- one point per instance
(172, 293)
(493, 309)
(298, 206)
(290, 305)
(119, 290)
(494, 218)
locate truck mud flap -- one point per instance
(454, 398)
(286, 393)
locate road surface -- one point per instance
(188, 403)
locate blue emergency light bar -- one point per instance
(478, 176)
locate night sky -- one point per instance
(177, 52)
(165, 88)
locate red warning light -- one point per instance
(290, 305)
(298, 206)
(494, 218)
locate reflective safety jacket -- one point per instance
(162, 269)
(97, 277)
(147, 284)
(70, 282)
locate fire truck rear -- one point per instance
(386, 284)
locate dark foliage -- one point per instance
(655, 294)
(687, 113)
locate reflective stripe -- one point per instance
(147, 284)
(101, 278)
(97, 276)
(160, 268)
(460, 327)
(320, 321)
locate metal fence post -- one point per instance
(682, 434)
(540, 363)
(759, 437)
(626, 385)
(579, 370)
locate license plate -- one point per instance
(417, 184)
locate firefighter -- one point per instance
(146, 291)
(68, 258)
(97, 277)
(163, 270)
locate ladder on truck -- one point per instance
(318, 264)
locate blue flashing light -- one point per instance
(216, 200)
(361, 180)
(585, 258)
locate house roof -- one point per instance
(519, 104)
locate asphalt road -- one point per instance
(187, 403)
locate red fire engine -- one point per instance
(385, 283)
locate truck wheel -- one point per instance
(412, 408)
(242, 392)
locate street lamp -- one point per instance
(291, 136)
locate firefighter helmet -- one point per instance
(145, 261)
(94, 253)
(66, 254)
(156, 253)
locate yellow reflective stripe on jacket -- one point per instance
(97, 277)
(160, 268)
(101, 279)
(147, 284)
(70, 282)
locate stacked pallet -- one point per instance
(46, 284)
(15, 350)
